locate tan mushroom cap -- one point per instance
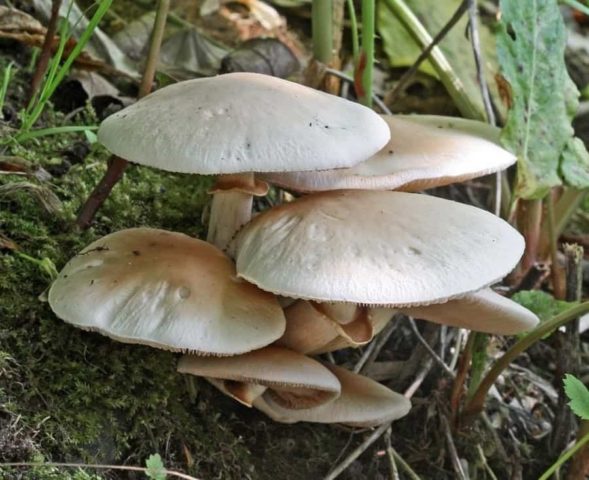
(376, 248)
(423, 152)
(362, 403)
(482, 311)
(244, 393)
(166, 290)
(314, 328)
(294, 380)
(243, 122)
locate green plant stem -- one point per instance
(476, 403)
(564, 457)
(448, 77)
(42, 132)
(94, 466)
(321, 20)
(6, 77)
(354, 28)
(57, 74)
(157, 34)
(577, 6)
(367, 56)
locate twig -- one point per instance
(405, 466)
(485, 463)
(375, 347)
(98, 467)
(460, 380)
(473, 27)
(429, 349)
(393, 95)
(45, 55)
(557, 280)
(380, 430)
(341, 75)
(117, 165)
(452, 450)
(391, 455)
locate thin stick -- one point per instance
(93, 466)
(452, 450)
(485, 463)
(557, 279)
(405, 466)
(375, 347)
(408, 75)
(45, 55)
(376, 99)
(429, 349)
(117, 165)
(473, 26)
(390, 455)
(380, 430)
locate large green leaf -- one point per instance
(402, 50)
(530, 46)
(578, 396)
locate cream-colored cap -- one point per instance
(166, 290)
(362, 403)
(293, 380)
(482, 311)
(243, 122)
(424, 152)
(376, 248)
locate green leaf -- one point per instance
(541, 303)
(530, 47)
(155, 467)
(402, 50)
(578, 395)
(575, 164)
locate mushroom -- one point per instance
(314, 328)
(482, 311)
(376, 248)
(166, 290)
(362, 403)
(234, 124)
(423, 152)
(289, 378)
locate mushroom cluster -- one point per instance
(250, 306)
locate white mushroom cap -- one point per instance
(423, 152)
(362, 402)
(243, 122)
(295, 380)
(482, 311)
(166, 290)
(376, 248)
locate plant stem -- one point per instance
(529, 213)
(366, 64)
(45, 56)
(448, 77)
(579, 467)
(564, 457)
(476, 403)
(577, 6)
(354, 28)
(117, 165)
(321, 14)
(557, 279)
(42, 132)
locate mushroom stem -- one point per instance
(231, 207)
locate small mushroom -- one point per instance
(423, 152)
(376, 248)
(482, 311)
(166, 290)
(234, 124)
(362, 403)
(292, 380)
